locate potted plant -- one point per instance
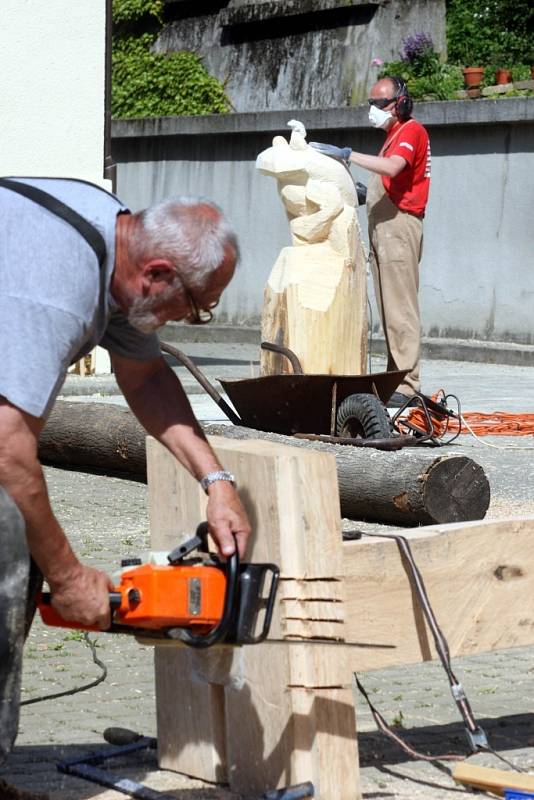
(502, 67)
(503, 75)
(473, 76)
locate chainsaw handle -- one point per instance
(219, 632)
(115, 599)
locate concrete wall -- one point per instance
(311, 53)
(52, 97)
(477, 273)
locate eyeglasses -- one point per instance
(198, 316)
(381, 102)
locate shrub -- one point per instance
(481, 32)
(420, 66)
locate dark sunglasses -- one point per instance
(381, 102)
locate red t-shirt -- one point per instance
(409, 189)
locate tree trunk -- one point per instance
(408, 487)
(97, 435)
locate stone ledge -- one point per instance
(432, 114)
(503, 88)
(476, 350)
(242, 14)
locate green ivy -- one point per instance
(148, 84)
(126, 11)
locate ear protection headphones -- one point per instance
(403, 101)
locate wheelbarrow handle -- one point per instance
(284, 351)
(204, 382)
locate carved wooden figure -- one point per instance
(314, 300)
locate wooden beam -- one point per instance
(478, 577)
(491, 780)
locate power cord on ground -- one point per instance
(476, 736)
(490, 444)
(102, 677)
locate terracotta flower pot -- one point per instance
(473, 76)
(503, 76)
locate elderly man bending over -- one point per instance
(77, 269)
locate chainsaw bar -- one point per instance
(334, 642)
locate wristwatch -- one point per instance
(218, 475)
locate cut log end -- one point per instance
(456, 490)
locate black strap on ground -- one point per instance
(92, 236)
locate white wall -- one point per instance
(52, 58)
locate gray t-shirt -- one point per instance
(53, 309)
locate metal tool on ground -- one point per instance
(299, 791)
(198, 601)
(88, 768)
(123, 742)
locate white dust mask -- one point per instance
(379, 118)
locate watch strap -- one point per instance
(217, 475)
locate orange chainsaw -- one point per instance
(199, 601)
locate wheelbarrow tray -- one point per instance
(291, 404)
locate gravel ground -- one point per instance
(106, 518)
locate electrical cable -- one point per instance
(490, 444)
(102, 677)
(476, 736)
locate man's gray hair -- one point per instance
(191, 232)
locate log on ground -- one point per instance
(94, 435)
(407, 487)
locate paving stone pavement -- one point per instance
(106, 519)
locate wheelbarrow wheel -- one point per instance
(363, 416)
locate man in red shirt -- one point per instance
(396, 199)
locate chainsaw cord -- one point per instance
(383, 726)
(440, 642)
(495, 433)
(476, 736)
(102, 677)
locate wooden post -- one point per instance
(269, 715)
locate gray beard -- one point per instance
(142, 318)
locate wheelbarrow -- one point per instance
(339, 409)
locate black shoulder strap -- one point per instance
(92, 236)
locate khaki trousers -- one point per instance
(395, 248)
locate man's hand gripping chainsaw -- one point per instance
(196, 601)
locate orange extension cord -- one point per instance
(497, 423)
